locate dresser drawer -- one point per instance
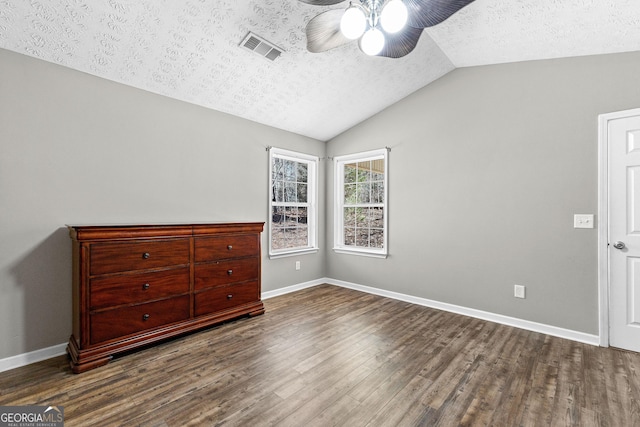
(226, 297)
(225, 247)
(119, 322)
(225, 272)
(117, 257)
(137, 288)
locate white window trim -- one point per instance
(338, 226)
(312, 200)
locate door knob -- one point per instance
(619, 245)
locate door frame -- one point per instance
(603, 218)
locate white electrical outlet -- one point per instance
(297, 265)
(518, 291)
(583, 221)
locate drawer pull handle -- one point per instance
(229, 272)
(145, 317)
(229, 296)
(145, 286)
(229, 247)
(146, 255)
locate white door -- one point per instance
(623, 135)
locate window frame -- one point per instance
(339, 229)
(311, 204)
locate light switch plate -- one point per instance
(583, 221)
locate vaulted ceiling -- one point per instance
(191, 50)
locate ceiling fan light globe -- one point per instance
(353, 23)
(394, 16)
(372, 42)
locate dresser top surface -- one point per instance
(131, 231)
(161, 224)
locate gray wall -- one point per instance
(488, 166)
(78, 149)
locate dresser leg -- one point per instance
(79, 362)
(257, 312)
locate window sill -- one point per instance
(360, 253)
(293, 253)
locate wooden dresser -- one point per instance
(135, 285)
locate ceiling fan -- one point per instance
(389, 28)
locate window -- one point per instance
(293, 203)
(361, 203)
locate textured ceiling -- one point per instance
(189, 50)
(499, 31)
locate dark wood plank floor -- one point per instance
(332, 356)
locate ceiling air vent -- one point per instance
(261, 47)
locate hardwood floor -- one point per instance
(332, 356)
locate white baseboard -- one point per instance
(58, 350)
(479, 314)
(293, 288)
(32, 357)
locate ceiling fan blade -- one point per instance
(321, 2)
(401, 43)
(323, 31)
(427, 13)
